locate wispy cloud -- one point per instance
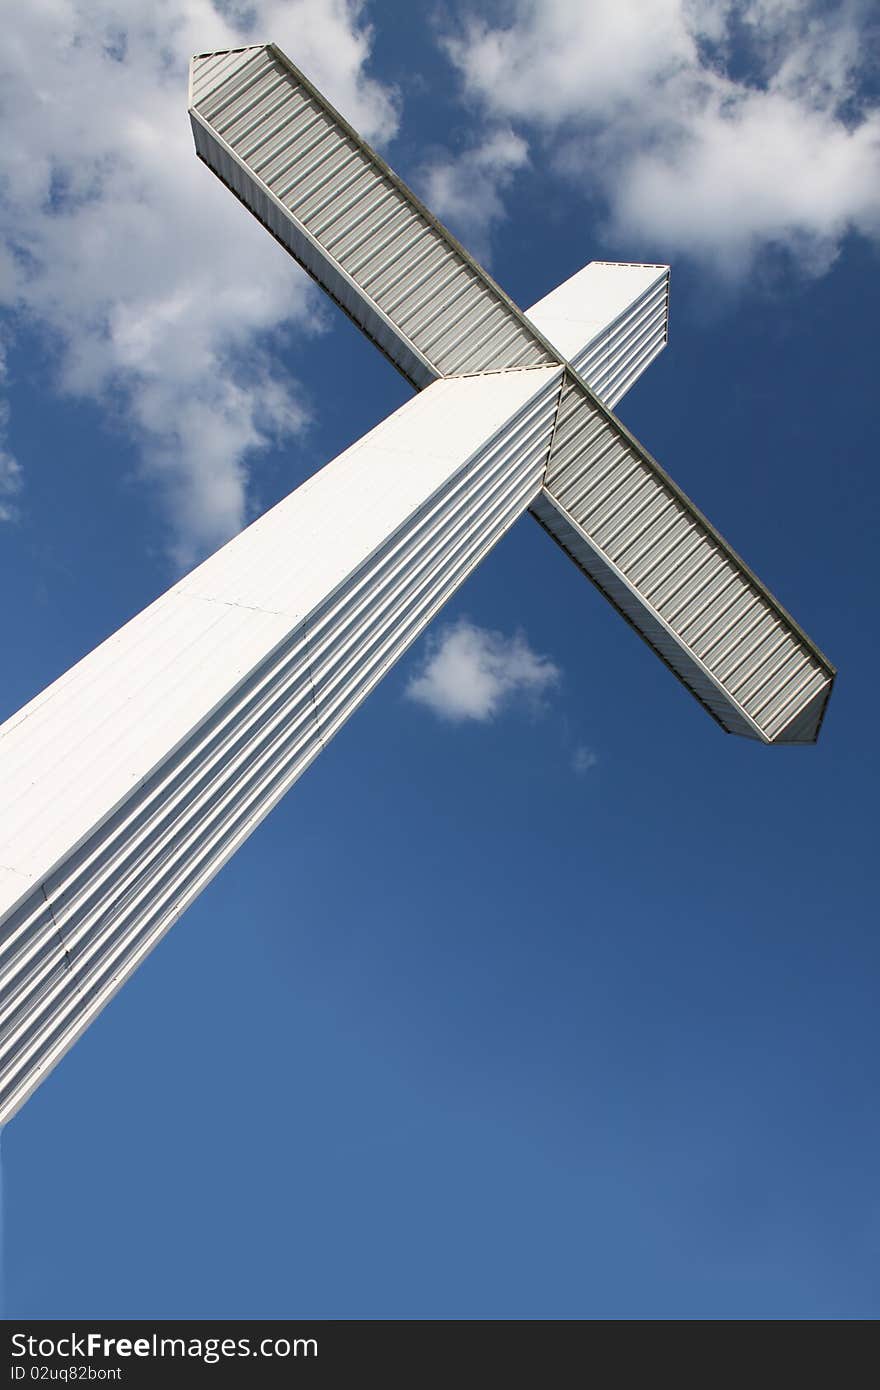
(466, 189)
(583, 759)
(155, 291)
(709, 127)
(470, 672)
(10, 469)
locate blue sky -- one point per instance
(566, 1010)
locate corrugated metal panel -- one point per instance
(614, 361)
(668, 571)
(609, 321)
(209, 70)
(145, 778)
(338, 208)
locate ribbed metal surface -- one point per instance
(274, 684)
(616, 358)
(609, 320)
(301, 169)
(209, 70)
(662, 565)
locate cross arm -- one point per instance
(356, 227)
(676, 581)
(338, 208)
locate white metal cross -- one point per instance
(133, 778)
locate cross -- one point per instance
(135, 776)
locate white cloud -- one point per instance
(10, 485)
(465, 190)
(583, 759)
(710, 127)
(562, 58)
(470, 672)
(156, 292)
(763, 172)
(10, 469)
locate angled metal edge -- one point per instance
(214, 53)
(800, 720)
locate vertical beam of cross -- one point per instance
(134, 777)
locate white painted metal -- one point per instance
(609, 321)
(131, 780)
(136, 775)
